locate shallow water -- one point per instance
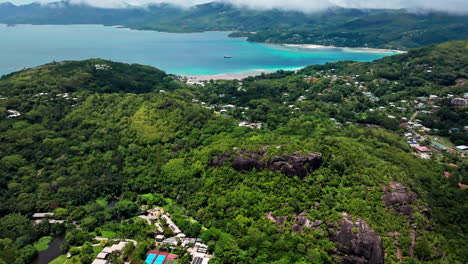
(179, 53)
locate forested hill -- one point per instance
(317, 171)
(397, 29)
(95, 75)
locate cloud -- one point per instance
(452, 6)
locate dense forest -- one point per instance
(394, 29)
(322, 169)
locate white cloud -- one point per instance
(454, 6)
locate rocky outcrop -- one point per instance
(279, 220)
(167, 104)
(357, 243)
(247, 161)
(220, 159)
(301, 221)
(296, 165)
(397, 197)
(289, 165)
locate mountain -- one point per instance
(317, 177)
(399, 29)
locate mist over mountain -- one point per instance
(451, 6)
(337, 26)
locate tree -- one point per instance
(26, 255)
(14, 226)
(128, 250)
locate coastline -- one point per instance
(234, 75)
(226, 76)
(370, 50)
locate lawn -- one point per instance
(101, 202)
(43, 243)
(59, 260)
(97, 250)
(108, 234)
(443, 140)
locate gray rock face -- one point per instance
(296, 165)
(220, 160)
(398, 194)
(357, 242)
(301, 221)
(279, 220)
(398, 198)
(248, 161)
(293, 165)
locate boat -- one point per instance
(228, 57)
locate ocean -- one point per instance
(24, 46)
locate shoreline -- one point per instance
(234, 75)
(370, 50)
(226, 76)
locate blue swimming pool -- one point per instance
(160, 259)
(150, 258)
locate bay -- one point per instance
(24, 46)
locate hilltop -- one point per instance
(287, 167)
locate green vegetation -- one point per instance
(43, 243)
(397, 29)
(101, 202)
(117, 135)
(108, 234)
(59, 260)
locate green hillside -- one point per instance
(98, 129)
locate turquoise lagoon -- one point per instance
(24, 46)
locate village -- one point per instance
(406, 111)
(161, 221)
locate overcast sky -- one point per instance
(456, 6)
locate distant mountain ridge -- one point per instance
(397, 29)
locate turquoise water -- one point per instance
(186, 54)
(160, 259)
(150, 258)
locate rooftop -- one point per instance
(42, 215)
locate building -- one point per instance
(459, 102)
(171, 224)
(439, 146)
(250, 125)
(13, 113)
(419, 148)
(461, 148)
(42, 215)
(170, 241)
(159, 238)
(104, 254)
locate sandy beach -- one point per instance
(371, 50)
(226, 76)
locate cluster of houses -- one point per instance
(102, 67)
(250, 125)
(160, 218)
(102, 257)
(194, 81)
(39, 217)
